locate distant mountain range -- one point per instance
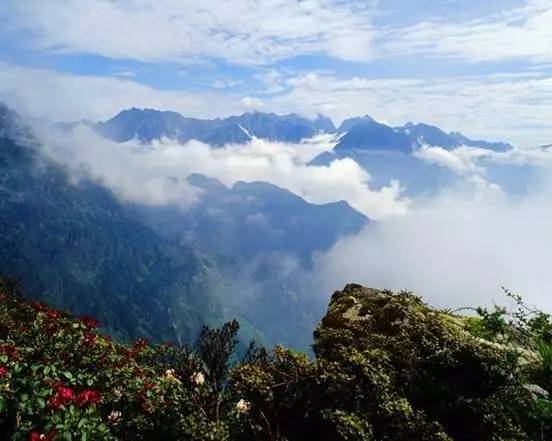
(365, 133)
(359, 133)
(147, 125)
(386, 153)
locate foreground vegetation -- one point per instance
(387, 367)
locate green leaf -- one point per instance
(4, 358)
(3, 405)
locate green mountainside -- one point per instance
(74, 245)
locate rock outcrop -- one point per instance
(422, 368)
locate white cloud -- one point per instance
(455, 250)
(157, 175)
(521, 33)
(124, 73)
(66, 97)
(224, 83)
(466, 161)
(460, 160)
(252, 102)
(239, 31)
(273, 81)
(516, 108)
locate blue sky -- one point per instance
(484, 68)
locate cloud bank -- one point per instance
(240, 31)
(455, 249)
(246, 33)
(518, 33)
(157, 174)
(459, 247)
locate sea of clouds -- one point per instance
(457, 247)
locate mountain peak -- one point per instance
(349, 123)
(12, 125)
(323, 123)
(422, 134)
(369, 135)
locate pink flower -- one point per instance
(55, 403)
(87, 397)
(89, 322)
(89, 339)
(35, 436)
(9, 349)
(40, 307)
(64, 395)
(53, 314)
(3, 371)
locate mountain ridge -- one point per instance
(148, 125)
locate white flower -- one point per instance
(198, 378)
(118, 393)
(114, 417)
(243, 406)
(169, 375)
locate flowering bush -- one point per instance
(60, 379)
(387, 368)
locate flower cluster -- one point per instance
(89, 339)
(87, 398)
(36, 436)
(243, 406)
(198, 379)
(114, 417)
(62, 397)
(10, 350)
(89, 322)
(171, 376)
